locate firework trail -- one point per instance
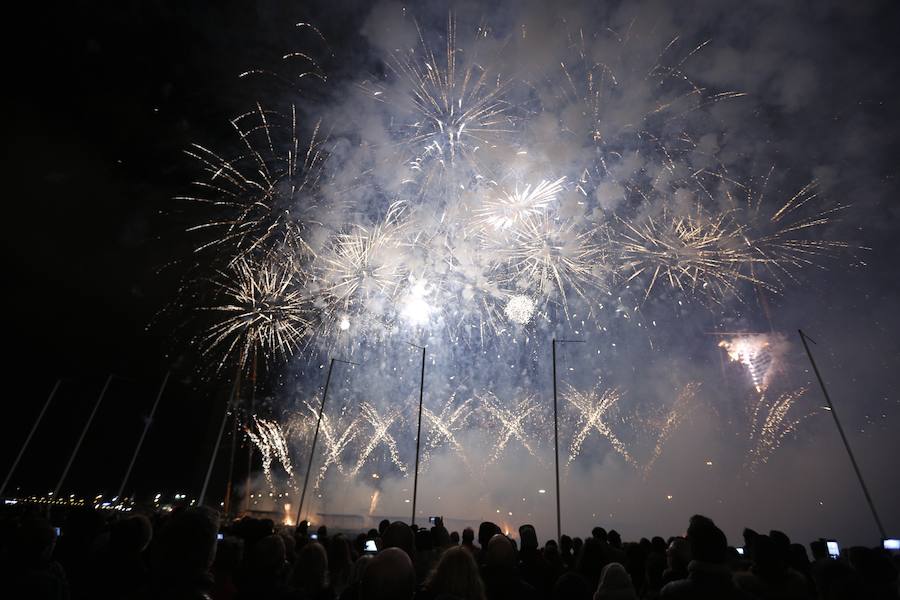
(262, 310)
(677, 414)
(592, 409)
(261, 195)
(379, 434)
(444, 426)
(512, 422)
(771, 421)
(270, 440)
(760, 354)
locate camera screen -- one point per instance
(833, 549)
(892, 544)
(370, 546)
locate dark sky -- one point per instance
(103, 97)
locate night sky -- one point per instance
(102, 101)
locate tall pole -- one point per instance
(234, 433)
(140, 443)
(556, 437)
(231, 404)
(81, 437)
(418, 437)
(862, 483)
(312, 451)
(212, 459)
(248, 491)
(28, 439)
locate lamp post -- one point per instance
(418, 434)
(312, 451)
(556, 435)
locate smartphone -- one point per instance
(433, 520)
(834, 551)
(371, 548)
(58, 531)
(220, 536)
(740, 550)
(314, 536)
(891, 545)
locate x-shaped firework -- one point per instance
(593, 408)
(380, 434)
(445, 425)
(512, 421)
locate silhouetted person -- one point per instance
(121, 569)
(399, 535)
(533, 568)
(615, 584)
(571, 586)
(455, 575)
(29, 570)
(708, 574)
(501, 580)
(389, 576)
(310, 577)
(770, 577)
(265, 570)
(486, 531)
(183, 554)
(468, 541)
(678, 556)
(454, 538)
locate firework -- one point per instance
(507, 209)
(512, 422)
(699, 252)
(262, 194)
(676, 415)
(262, 311)
(780, 239)
(444, 426)
(455, 105)
(519, 309)
(269, 438)
(379, 434)
(760, 354)
(363, 265)
(551, 257)
(593, 410)
(771, 421)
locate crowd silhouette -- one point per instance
(189, 554)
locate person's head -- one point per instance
(399, 535)
(266, 558)
(571, 586)
(311, 568)
(678, 555)
(303, 528)
(500, 553)
(707, 542)
(468, 535)
(339, 557)
(819, 550)
(529, 538)
(131, 535)
(322, 531)
(486, 531)
(440, 537)
(34, 541)
(565, 544)
(383, 525)
(424, 540)
(615, 582)
(456, 575)
(454, 538)
(615, 540)
(186, 545)
(599, 534)
(591, 559)
(389, 576)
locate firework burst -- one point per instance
(379, 434)
(676, 415)
(262, 310)
(760, 354)
(444, 427)
(269, 438)
(265, 192)
(593, 412)
(508, 208)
